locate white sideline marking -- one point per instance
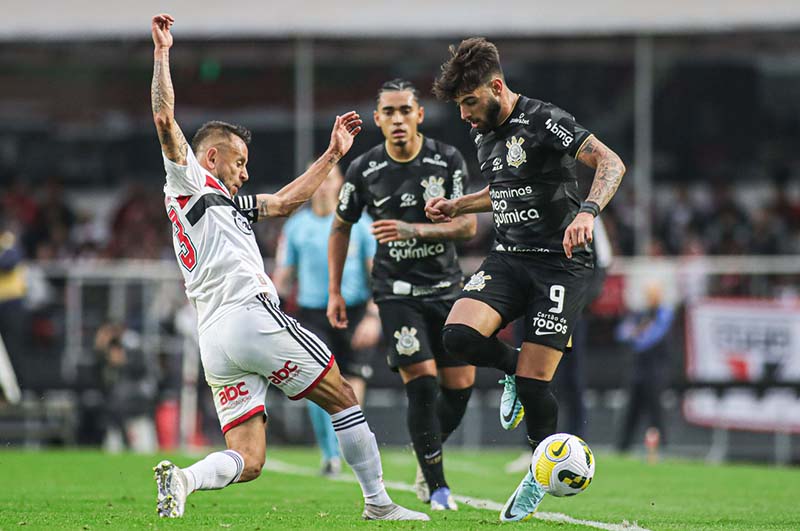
(478, 503)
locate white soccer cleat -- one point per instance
(392, 512)
(172, 490)
(421, 486)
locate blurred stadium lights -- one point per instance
(351, 18)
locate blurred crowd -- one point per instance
(52, 223)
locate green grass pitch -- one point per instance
(88, 490)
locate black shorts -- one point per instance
(549, 290)
(351, 362)
(413, 331)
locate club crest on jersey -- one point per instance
(434, 187)
(516, 156)
(477, 281)
(241, 222)
(407, 342)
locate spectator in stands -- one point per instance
(129, 389)
(646, 332)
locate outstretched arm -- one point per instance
(296, 193)
(461, 228)
(609, 170)
(162, 95)
(441, 210)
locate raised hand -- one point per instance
(345, 128)
(162, 37)
(440, 210)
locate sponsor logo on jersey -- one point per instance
(230, 393)
(515, 156)
(436, 160)
(500, 207)
(560, 131)
(407, 342)
(379, 202)
(510, 193)
(478, 138)
(283, 374)
(546, 324)
(497, 164)
(408, 200)
(477, 281)
(520, 120)
(241, 222)
(434, 187)
(408, 250)
(344, 195)
(373, 167)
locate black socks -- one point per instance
(541, 408)
(425, 429)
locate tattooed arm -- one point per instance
(292, 196)
(162, 95)
(609, 170)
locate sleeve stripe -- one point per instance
(583, 144)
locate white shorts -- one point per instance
(255, 346)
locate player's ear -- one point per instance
(375, 116)
(421, 115)
(211, 156)
(497, 87)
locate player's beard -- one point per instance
(492, 115)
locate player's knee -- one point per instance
(463, 342)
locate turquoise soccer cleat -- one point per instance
(511, 410)
(524, 502)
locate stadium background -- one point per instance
(702, 102)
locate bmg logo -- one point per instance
(232, 392)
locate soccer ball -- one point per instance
(563, 465)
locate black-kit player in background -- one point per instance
(541, 264)
(415, 276)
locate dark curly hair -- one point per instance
(471, 65)
(215, 128)
(398, 84)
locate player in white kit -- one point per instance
(246, 341)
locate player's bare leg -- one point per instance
(242, 461)
(358, 446)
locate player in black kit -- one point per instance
(540, 266)
(415, 276)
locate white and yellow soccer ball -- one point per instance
(563, 464)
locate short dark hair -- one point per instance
(471, 65)
(215, 127)
(397, 85)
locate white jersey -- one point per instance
(214, 243)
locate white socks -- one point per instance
(216, 471)
(360, 450)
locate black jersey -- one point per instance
(425, 269)
(529, 161)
